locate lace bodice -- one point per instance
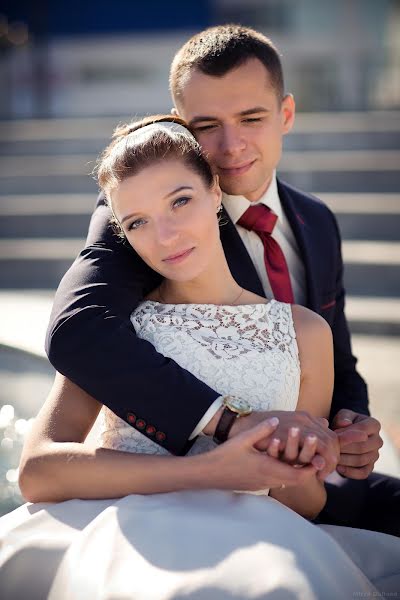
(249, 351)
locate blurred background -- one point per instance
(70, 71)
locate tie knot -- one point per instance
(258, 218)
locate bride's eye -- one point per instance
(181, 201)
(136, 224)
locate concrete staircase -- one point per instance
(351, 161)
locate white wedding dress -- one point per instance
(208, 545)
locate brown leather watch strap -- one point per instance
(224, 425)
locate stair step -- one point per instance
(102, 127)
(355, 252)
(292, 161)
(374, 316)
(348, 182)
(48, 204)
(64, 223)
(24, 316)
(296, 141)
(371, 268)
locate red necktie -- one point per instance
(261, 220)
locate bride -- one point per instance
(123, 518)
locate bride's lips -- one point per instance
(237, 169)
(175, 258)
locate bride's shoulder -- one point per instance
(251, 298)
(309, 326)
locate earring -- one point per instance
(219, 208)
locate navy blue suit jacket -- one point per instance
(91, 340)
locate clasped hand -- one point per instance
(357, 457)
(299, 439)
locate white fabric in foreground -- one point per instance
(208, 545)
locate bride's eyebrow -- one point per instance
(179, 189)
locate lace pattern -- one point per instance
(249, 351)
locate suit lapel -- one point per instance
(302, 231)
(239, 261)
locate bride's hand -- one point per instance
(240, 466)
(328, 449)
(295, 454)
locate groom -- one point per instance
(227, 84)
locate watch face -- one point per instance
(237, 404)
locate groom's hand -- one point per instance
(357, 457)
(327, 444)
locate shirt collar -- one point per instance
(236, 206)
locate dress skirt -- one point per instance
(208, 545)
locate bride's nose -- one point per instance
(167, 231)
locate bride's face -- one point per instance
(168, 215)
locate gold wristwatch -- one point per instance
(233, 409)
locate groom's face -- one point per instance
(239, 121)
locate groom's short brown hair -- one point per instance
(218, 50)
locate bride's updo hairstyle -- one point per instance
(140, 144)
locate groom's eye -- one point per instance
(204, 127)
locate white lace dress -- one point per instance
(208, 545)
(249, 351)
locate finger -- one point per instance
(273, 448)
(308, 450)
(257, 433)
(371, 425)
(330, 450)
(324, 468)
(354, 473)
(358, 460)
(292, 445)
(368, 425)
(351, 435)
(324, 422)
(372, 443)
(318, 462)
(343, 418)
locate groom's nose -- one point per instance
(231, 140)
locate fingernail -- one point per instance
(346, 420)
(294, 431)
(275, 441)
(318, 463)
(311, 439)
(273, 421)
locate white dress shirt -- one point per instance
(282, 233)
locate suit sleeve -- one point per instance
(350, 389)
(91, 340)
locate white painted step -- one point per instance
(292, 161)
(102, 127)
(82, 204)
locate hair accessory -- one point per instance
(170, 125)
